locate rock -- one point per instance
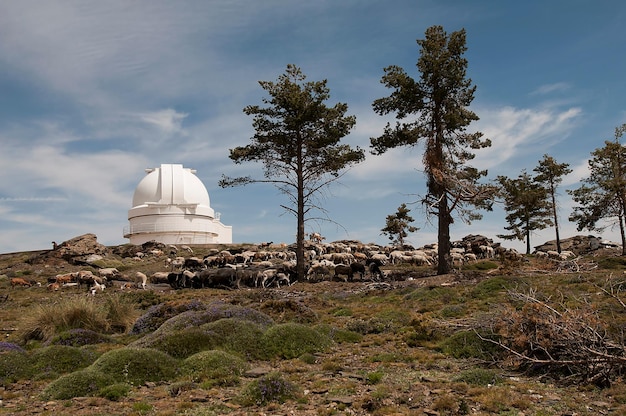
(73, 251)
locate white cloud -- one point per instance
(168, 120)
(516, 133)
(550, 88)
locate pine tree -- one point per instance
(550, 175)
(298, 141)
(526, 202)
(439, 103)
(602, 196)
(397, 226)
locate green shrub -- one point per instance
(291, 340)
(232, 334)
(467, 344)
(79, 337)
(491, 287)
(478, 377)
(58, 359)
(339, 335)
(158, 314)
(270, 388)
(195, 314)
(14, 366)
(137, 365)
(308, 358)
(236, 335)
(421, 330)
(178, 344)
(374, 377)
(214, 367)
(114, 392)
(87, 382)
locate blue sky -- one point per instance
(92, 93)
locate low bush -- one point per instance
(86, 382)
(158, 314)
(137, 365)
(339, 335)
(48, 362)
(270, 388)
(467, 344)
(178, 344)
(79, 337)
(114, 392)
(214, 367)
(14, 366)
(291, 340)
(236, 335)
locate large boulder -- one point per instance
(579, 245)
(77, 250)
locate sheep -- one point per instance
(376, 271)
(18, 281)
(109, 272)
(141, 276)
(316, 270)
(358, 268)
(96, 286)
(379, 257)
(159, 277)
(64, 278)
(344, 269)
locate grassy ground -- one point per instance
(398, 347)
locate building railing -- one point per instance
(167, 227)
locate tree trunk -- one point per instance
(300, 233)
(444, 265)
(528, 241)
(623, 234)
(556, 223)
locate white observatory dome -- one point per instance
(171, 205)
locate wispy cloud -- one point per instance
(168, 120)
(551, 88)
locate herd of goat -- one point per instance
(266, 265)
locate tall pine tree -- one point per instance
(298, 141)
(438, 104)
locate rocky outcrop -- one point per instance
(77, 250)
(579, 245)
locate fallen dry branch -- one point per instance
(566, 343)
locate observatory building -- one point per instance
(171, 206)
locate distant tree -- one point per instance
(298, 141)
(550, 175)
(439, 102)
(527, 205)
(398, 225)
(602, 196)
